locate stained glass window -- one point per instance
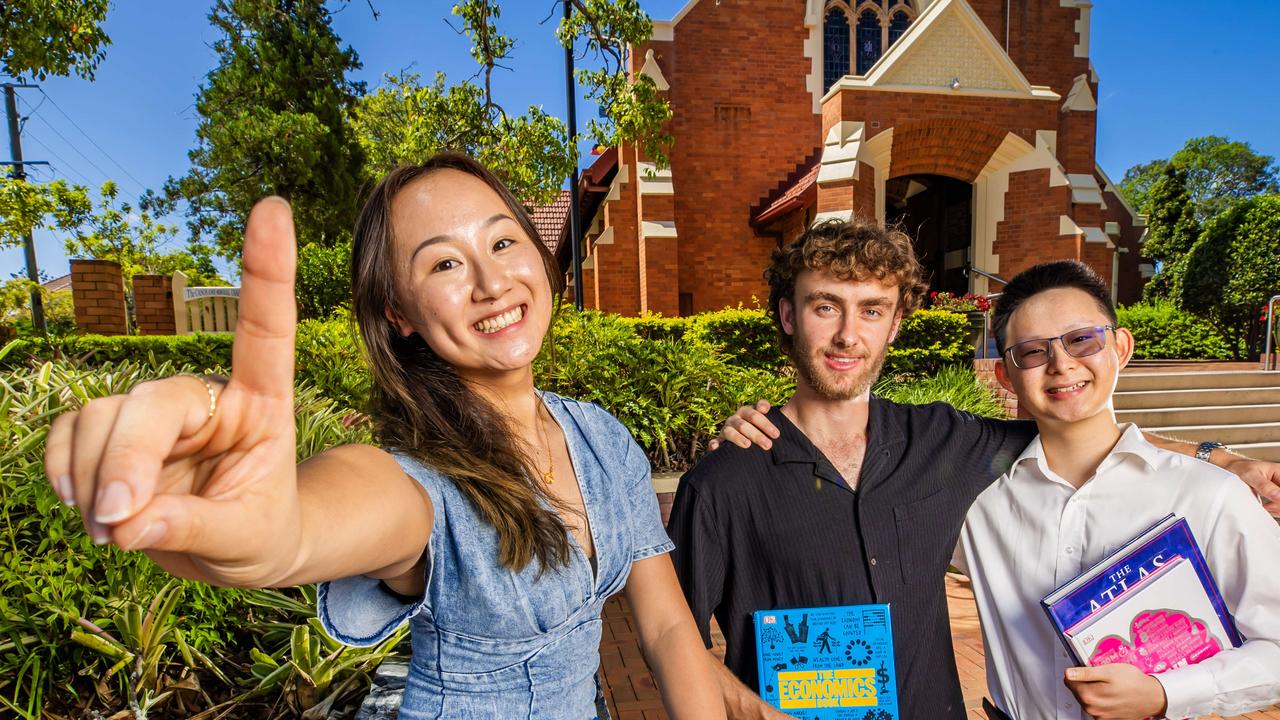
(898, 26)
(868, 40)
(835, 47)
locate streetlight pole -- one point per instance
(19, 173)
(571, 94)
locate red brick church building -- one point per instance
(972, 123)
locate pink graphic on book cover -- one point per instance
(1160, 641)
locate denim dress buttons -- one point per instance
(491, 642)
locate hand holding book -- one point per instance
(1119, 691)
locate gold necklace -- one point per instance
(548, 475)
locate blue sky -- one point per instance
(1169, 71)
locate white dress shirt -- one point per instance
(1032, 531)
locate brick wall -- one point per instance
(617, 264)
(985, 369)
(153, 305)
(97, 291)
(1029, 233)
(743, 120)
(950, 146)
(1042, 39)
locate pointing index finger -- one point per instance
(262, 354)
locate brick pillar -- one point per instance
(153, 305)
(97, 290)
(985, 369)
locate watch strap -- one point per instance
(1206, 449)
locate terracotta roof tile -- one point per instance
(550, 220)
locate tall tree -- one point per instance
(1218, 172)
(39, 38)
(1172, 229)
(1233, 268)
(118, 232)
(406, 122)
(632, 108)
(273, 121)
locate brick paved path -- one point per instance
(634, 696)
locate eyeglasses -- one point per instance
(1080, 342)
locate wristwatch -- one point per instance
(1206, 448)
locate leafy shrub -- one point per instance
(323, 280)
(746, 336)
(929, 340)
(329, 354)
(1162, 331)
(671, 394)
(955, 385)
(203, 351)
(71, 637)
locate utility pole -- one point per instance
(575, 243)
(20, 173)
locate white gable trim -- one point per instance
(917, 35)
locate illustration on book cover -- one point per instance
(829, 663)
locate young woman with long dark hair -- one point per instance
(494, 517)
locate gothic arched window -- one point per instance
(835, 47)
(868, 41)
(898, 26)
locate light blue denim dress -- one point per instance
(489, 642)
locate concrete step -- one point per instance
(1260, 451)
(1230, 434)
(1132, 382)
(1206, 415)
(1152, 399)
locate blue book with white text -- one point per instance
(828, 663)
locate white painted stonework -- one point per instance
(839, 161)
(1080, 97)
(654, 72)
(1013, 155)
(949, 50)
(658, 229)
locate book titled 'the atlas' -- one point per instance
(1152, 603)
(828, 663)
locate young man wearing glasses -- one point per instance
(1084, 487)
(859, 499)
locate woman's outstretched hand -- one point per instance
(212, 498)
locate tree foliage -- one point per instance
(118, 232)
(273, 122)
(39, 38)
(1233, 268)
(631, 106)
(27, 206)
(405, 122)
(1218, 172)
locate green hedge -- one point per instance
(329, 355)
(927, 341)
(671, 381)
(1163, 332)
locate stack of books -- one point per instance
(1153, 603)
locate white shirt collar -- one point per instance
(1131, 442)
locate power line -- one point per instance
(62, 161)
(71, 145)
(91, 141)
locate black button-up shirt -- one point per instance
(757, 530)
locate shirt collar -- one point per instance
(1131, 442)
(884, 429)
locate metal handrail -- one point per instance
(986, 316)
(990, 276)
(1266, 355)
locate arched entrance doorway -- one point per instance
(937, 213)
